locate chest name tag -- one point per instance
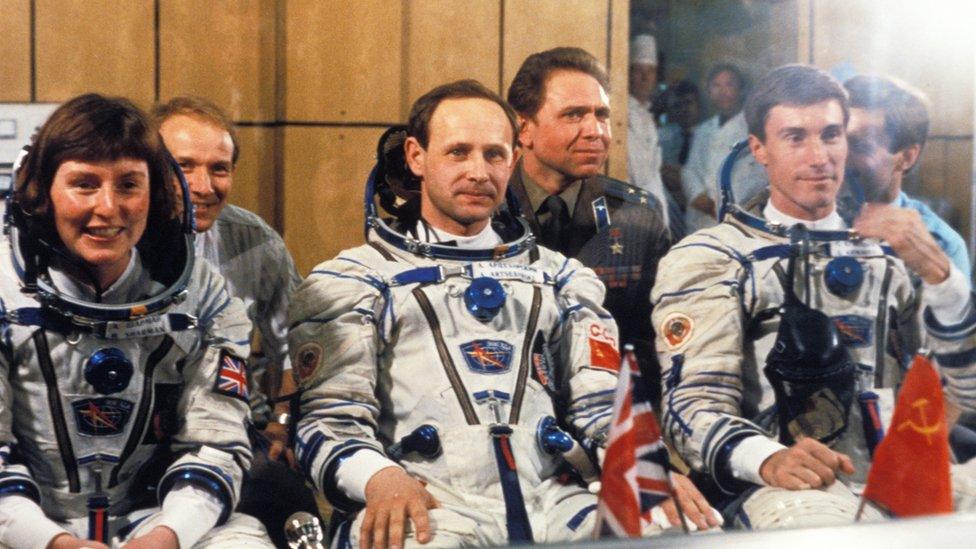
(148, 327)
(505, 271)
(847, 248)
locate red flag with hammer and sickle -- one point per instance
(910, 472)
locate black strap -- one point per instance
(449, 368)
(57, 410)
(524, 366)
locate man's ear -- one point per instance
(524, 135)
(416, 156)
(908, 156)
(758, 149)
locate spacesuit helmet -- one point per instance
(94, 128)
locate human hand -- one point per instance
(278, 450)
(67, 541)
(391, 496)
(904, 231)
(694, 505)
(807, 464)
(159, 537)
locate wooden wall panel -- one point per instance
(931, 169)
(15, 50)
(536, 25)
(617, 65)
(105, 46)
(958, 180)
(915, 42)
(222, 50)
(435, 54)
(256, 174)
(343, 60)
(324, 178)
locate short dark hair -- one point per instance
(197, 107)
(740, 77)
(527, 91)
(795, 85)
(94, 128)
(906, 116)
(418, 123)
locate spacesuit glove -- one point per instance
(392, 496)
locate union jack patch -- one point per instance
(487, 356)
(232, 377)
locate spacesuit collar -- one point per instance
(503, 224)
(831, 222)
(487, 238)
(134, 284)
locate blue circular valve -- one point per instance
(551, 439)
(108, 370)
(844, 275)
(484, 298)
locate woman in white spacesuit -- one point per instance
(123, 399)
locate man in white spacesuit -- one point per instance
(250, 255)
(452, 344)
(122, 392)
(258, 269)
(833, 314)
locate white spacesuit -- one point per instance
(258, 269)
(124, 411)
(719, 314)
(486, 342)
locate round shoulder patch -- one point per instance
(677, 329)
(307, 359)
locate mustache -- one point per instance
(486, 189)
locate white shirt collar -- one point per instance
(487, 238)
(832, 222)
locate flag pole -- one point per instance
(860, 509)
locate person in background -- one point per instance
(258, 269)
(725, 86)
(643, 147)
(564, 119)
(887, 132)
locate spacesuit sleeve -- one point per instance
(948, 321)
(277, 288)
(588, 352)
(22, 521)
(212, 441)
(699, 324)
(334, 341)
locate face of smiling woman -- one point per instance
(100, 212)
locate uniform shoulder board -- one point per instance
(627, 192)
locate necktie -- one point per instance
(555, 230)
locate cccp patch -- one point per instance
(101, 417)
(677, 329)
(487, 356)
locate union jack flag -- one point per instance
(635, 471)
(232, 377)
